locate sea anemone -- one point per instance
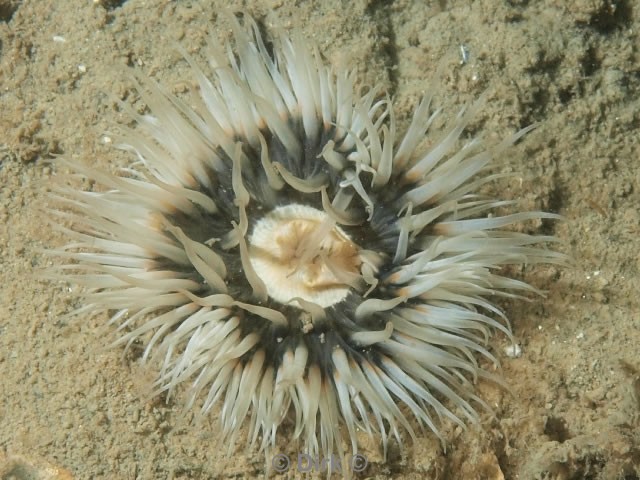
(282, 250)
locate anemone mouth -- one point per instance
(299, 253)
(285, 252)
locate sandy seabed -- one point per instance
(71, 408)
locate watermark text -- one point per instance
(305, 463)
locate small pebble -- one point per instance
(513, 351)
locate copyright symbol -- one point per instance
(280, 463)
(358, 463)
